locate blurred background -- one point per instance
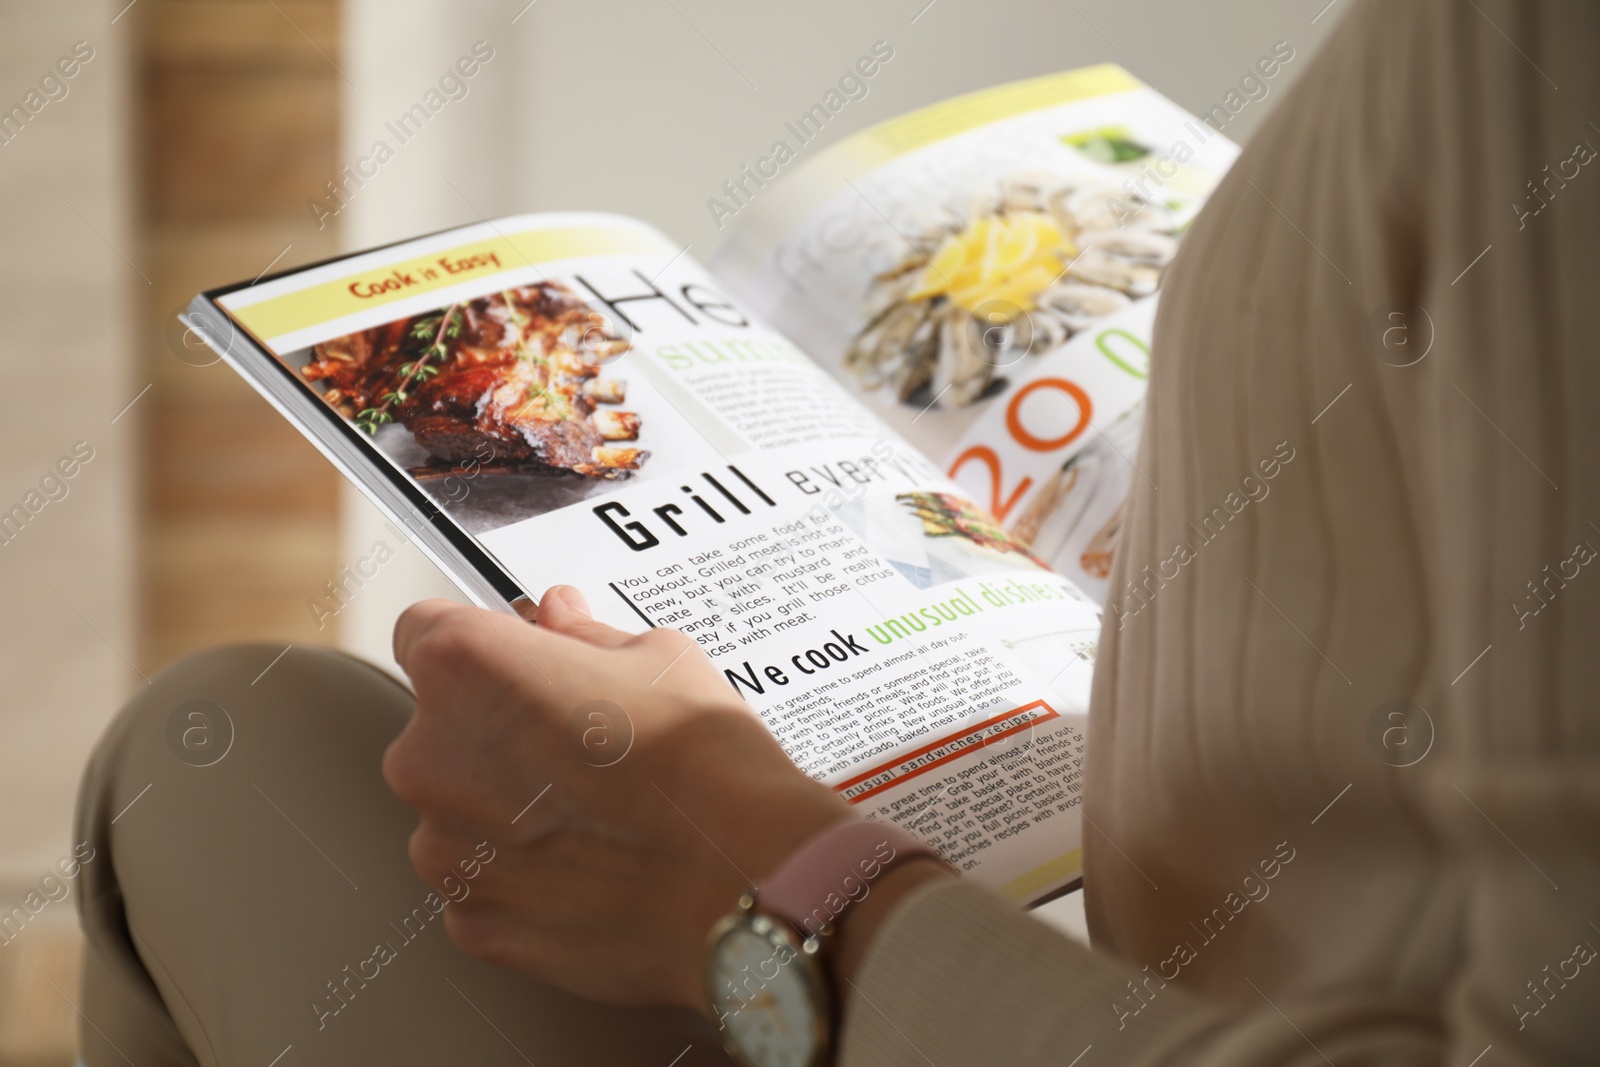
(190, 147)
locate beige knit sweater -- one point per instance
(1285, 867)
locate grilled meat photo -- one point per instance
(516, 375)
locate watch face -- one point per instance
(766, 994)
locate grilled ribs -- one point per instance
(511, 382)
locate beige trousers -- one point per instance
(250, 901)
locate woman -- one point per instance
(1343, 795)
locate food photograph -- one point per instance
(502, 407)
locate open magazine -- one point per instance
(873, 460)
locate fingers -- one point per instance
(442, 630)
(563, 610)
(567, 597)
(418, 620)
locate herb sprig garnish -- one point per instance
(443, 328)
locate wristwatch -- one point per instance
(770, 993)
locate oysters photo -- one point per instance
(1013, 277)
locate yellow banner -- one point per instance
(389, 282)
(887, 140)
(1024, 886)
(861, 153)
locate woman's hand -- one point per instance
(628, 794)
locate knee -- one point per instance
(282, 701)
(185, 796)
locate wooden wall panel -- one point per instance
(238, 106)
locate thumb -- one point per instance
(564, 610)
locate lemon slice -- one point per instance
(1010, 258)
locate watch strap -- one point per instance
(820, 880)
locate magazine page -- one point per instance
(593, 408)
(983, 273)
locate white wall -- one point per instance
(66, 354)
(646, 107)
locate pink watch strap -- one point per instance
(837, 867)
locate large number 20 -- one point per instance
(985, 455)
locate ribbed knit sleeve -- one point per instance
(1354, 636)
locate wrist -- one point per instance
(779, 967)
(858, 929)
(757, 807)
